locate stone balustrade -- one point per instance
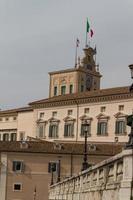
(109, 180)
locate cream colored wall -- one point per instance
(57, 80)
(25, 123)
(111, 110)
(10, 124)
(61, 114)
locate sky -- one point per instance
(38, 36)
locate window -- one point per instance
(18, 166)
(120, 127)
(121, 107)
(68, 130)
(55, 91)
(52, 167)
(14, 118)
(82, 133)
(102, 128)
(71, 89)
(41, 130)
(70, 112)
(53, 130)
(17, 187)
(82, 88)
(13, 136)
(41, 115)
(63, 90)
(1, 119)
(86, 110)
(7, 119)
(103, 109)
(5, 137)
(22, 135)
(54, 114)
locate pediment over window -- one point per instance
(41, 121)
(52, 119)
(102, 116)
(85, 117)
(68, 119)
(120, 115)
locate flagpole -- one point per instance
(86, 34)
(76, 55)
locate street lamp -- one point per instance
(58, 172)
(34, 194)
(129, 144)
(85, 164)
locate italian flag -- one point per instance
(89, 30)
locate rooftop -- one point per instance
(86, 95)
(105, 149)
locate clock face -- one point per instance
(89, 66)
(89, 80)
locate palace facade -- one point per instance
(74, 96)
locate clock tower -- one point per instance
(84, 77)
(90, 77)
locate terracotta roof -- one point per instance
(105, 149)
(16, 110)
(90, 95)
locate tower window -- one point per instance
(55, 91)
(63, 89)
(71, 89)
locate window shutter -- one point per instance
(22, 166)
(49, 167)
(124, 127)
(98, 129)
(65, 130)
(72, 133)
(50, 129)
(14, 166)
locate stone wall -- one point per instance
(109, 180)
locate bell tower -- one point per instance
(84, 77)
(91, 78)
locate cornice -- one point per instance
(84, 100)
